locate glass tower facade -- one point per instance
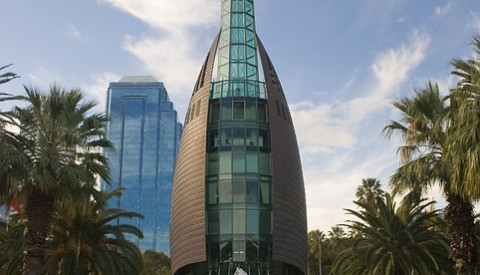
(145, 132)
(238, 199)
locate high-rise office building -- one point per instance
(145, 131)
(238, 198)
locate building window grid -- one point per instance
(237, 188)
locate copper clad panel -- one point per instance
(289, 212)
(187, 222)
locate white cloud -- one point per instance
(172, 54)
(170, 58)
(43, 77)
(333, 136)
(97, 89)
(320, 128)
(74, 33)
(393, 66)
(332, 188)
(170, 15)
(476, 22)
(443, 10)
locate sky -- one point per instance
(341, 64)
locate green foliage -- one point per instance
(53, 146)
(11, 242)
(50, 156)
(8, 76)
(82, 241)
(336, 242)
(391, 243)
(315, 240)
(442, 146)
(463, 143)
(155, 263)
(87, 242)
(369, 190)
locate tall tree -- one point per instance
(394, 244)
(428, 159)
(369, 190)
(87, 242)
(50, 154)
(315, 239)
(463, 147)
(156, 263)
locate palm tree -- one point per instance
(394, 244)
(49, 155)
(315, 239)
(369, 191)
(6, 77)
(463, 147)
(426, 158)
(155, 263)
(442, 146)
(11, 252)
(87, 242)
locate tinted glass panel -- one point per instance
(252, 137)
(225, 191)
(265, 222)
(225, 162)
(213, 224)
(212, 163)
(214, 250)
(264, 161)
(252, 222)
(252, 192)
(226, 137)
(263, 140)
(239, 221)
(213, 138)
(238, 162)
(251, 111)
(215, 113)
(225, 222)
(238, 110)
(212, 192)
(252, 162)
(238, 136)
(265, 192)
(262, 112)
(239, 191)
(226, 110)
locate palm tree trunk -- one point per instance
(461, 228)
(39, 215)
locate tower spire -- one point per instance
(237, 54)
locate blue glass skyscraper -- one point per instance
(145, 132)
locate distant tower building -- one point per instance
(145, 132)
(238, 196)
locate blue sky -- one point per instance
(341, 63)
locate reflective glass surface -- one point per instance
(238, 185)
(145, 133)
